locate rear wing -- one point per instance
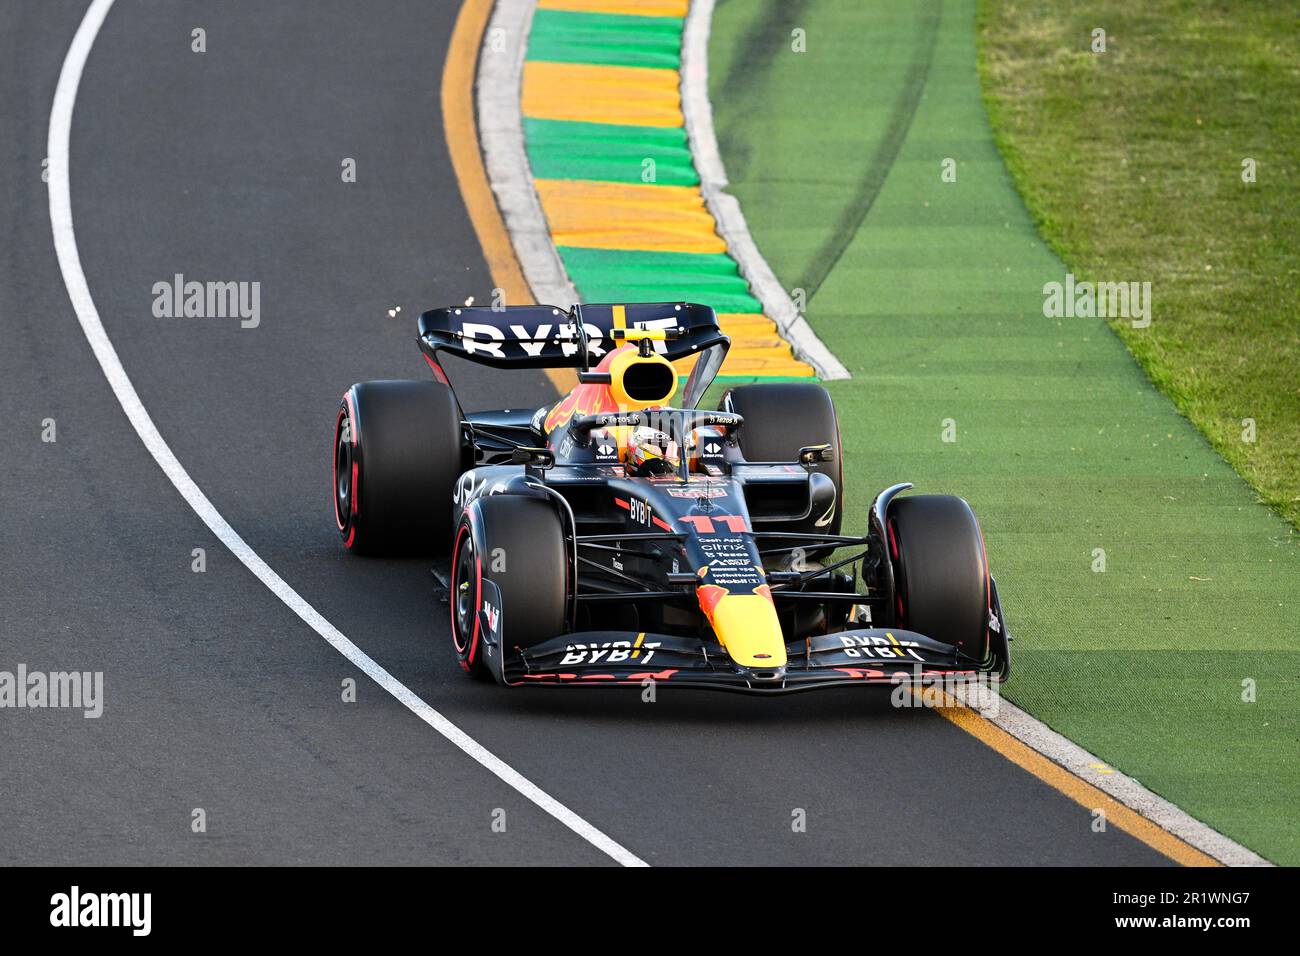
(545, 336)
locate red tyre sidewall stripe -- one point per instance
(461, 532)
(337, 431)
(356, 452)
(467, 655)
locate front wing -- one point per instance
(858, 657)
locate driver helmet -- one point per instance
(652, 452)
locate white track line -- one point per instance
(65, 245)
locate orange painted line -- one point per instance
(1077, 789)
(461, 131)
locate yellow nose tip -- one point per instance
(748, 628)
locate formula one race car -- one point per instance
(612, 538)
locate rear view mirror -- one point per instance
(812, 454)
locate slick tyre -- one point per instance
(516, 543)
(398, 450)
(941, 573)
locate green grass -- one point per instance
(931, 293)
(1131, 164)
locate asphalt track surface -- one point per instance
(226, 166)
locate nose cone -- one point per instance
(746, 625)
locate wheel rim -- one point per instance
(465, 591)
(343, 486)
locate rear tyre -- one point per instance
(782, 417)
(398, 450)
(518, 544)
(940, 571)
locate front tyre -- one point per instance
(941, 576)
(517, 543)
(398, 450)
